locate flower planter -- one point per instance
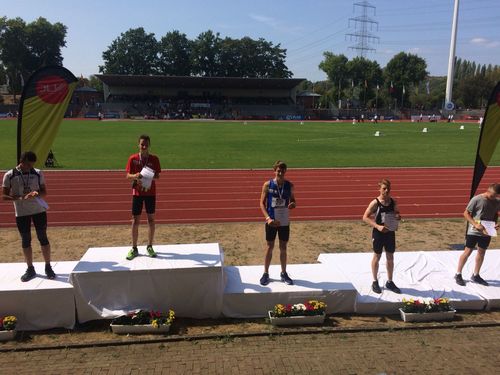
(139, 328)
(428, 316)
(7, 335)
(296, 320)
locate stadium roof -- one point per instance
(199, 82)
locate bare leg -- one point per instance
(283, 255)
(269, 256)
(136, 219)
(479, 260)
(28, 255)
(375, 263)
(46, 253)
(390, 265)
(463, 259)
(151, 232)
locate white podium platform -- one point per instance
(39, 303)
(417, 274)
(186, 278)
(244, 297)
(490, 271)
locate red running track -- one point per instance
(202, 196)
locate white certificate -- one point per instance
(281, 215)
(147, 177)
(489, 226)
(390, 221)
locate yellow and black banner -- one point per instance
(488, 138)
(44, 101)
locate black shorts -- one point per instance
(383, 241)
(283, 233)
(24, 227)
(481, 241)
(149, 202)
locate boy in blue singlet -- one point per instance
(377, 215)
(276, 199)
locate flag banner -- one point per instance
(488, 138)
(404, 90)
(43, 104)
(428, 87)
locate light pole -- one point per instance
(451, 60)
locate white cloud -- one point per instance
(414, 50)
(275, 24)
(485, 42)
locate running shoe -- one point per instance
(459, 280)
(392, 287)
(49, 272)
(264, 280)
(376, 287)
(286, 279)
(150, 251)
(133, 252)
(479, 280)
(29, 274)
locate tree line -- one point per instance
(403, 82)
(208, 55)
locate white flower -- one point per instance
(300, 306)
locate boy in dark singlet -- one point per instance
(377, 215)
(276, 199)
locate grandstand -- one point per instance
(173, 97)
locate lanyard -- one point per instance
(26, 183)
(280, 193)
(143, 164)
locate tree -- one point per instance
(174, 54)
(95, 83)
(205, 58)
(366, 75)
(335, 67)
(405, 70)
(133, 52)
(24, 48)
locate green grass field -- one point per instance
(189, 144)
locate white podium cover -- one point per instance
(39, 303)
(244, 297)
(417, 274)
(185, 278)
(490, 271)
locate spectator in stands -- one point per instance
(142, 196)
(25, 186)
(276, 199)
(382, 214)
(481, 209)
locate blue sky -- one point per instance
(304, 28)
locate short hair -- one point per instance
(27, 156)
(145, 137)
(279, 164)
(385, 182)
(495, 187)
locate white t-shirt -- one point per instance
(21, 184)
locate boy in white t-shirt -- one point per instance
(25, 186)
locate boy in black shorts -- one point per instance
(142, 195)
(483, 207)
(25, 186)
(380, 212)
(276, 199)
